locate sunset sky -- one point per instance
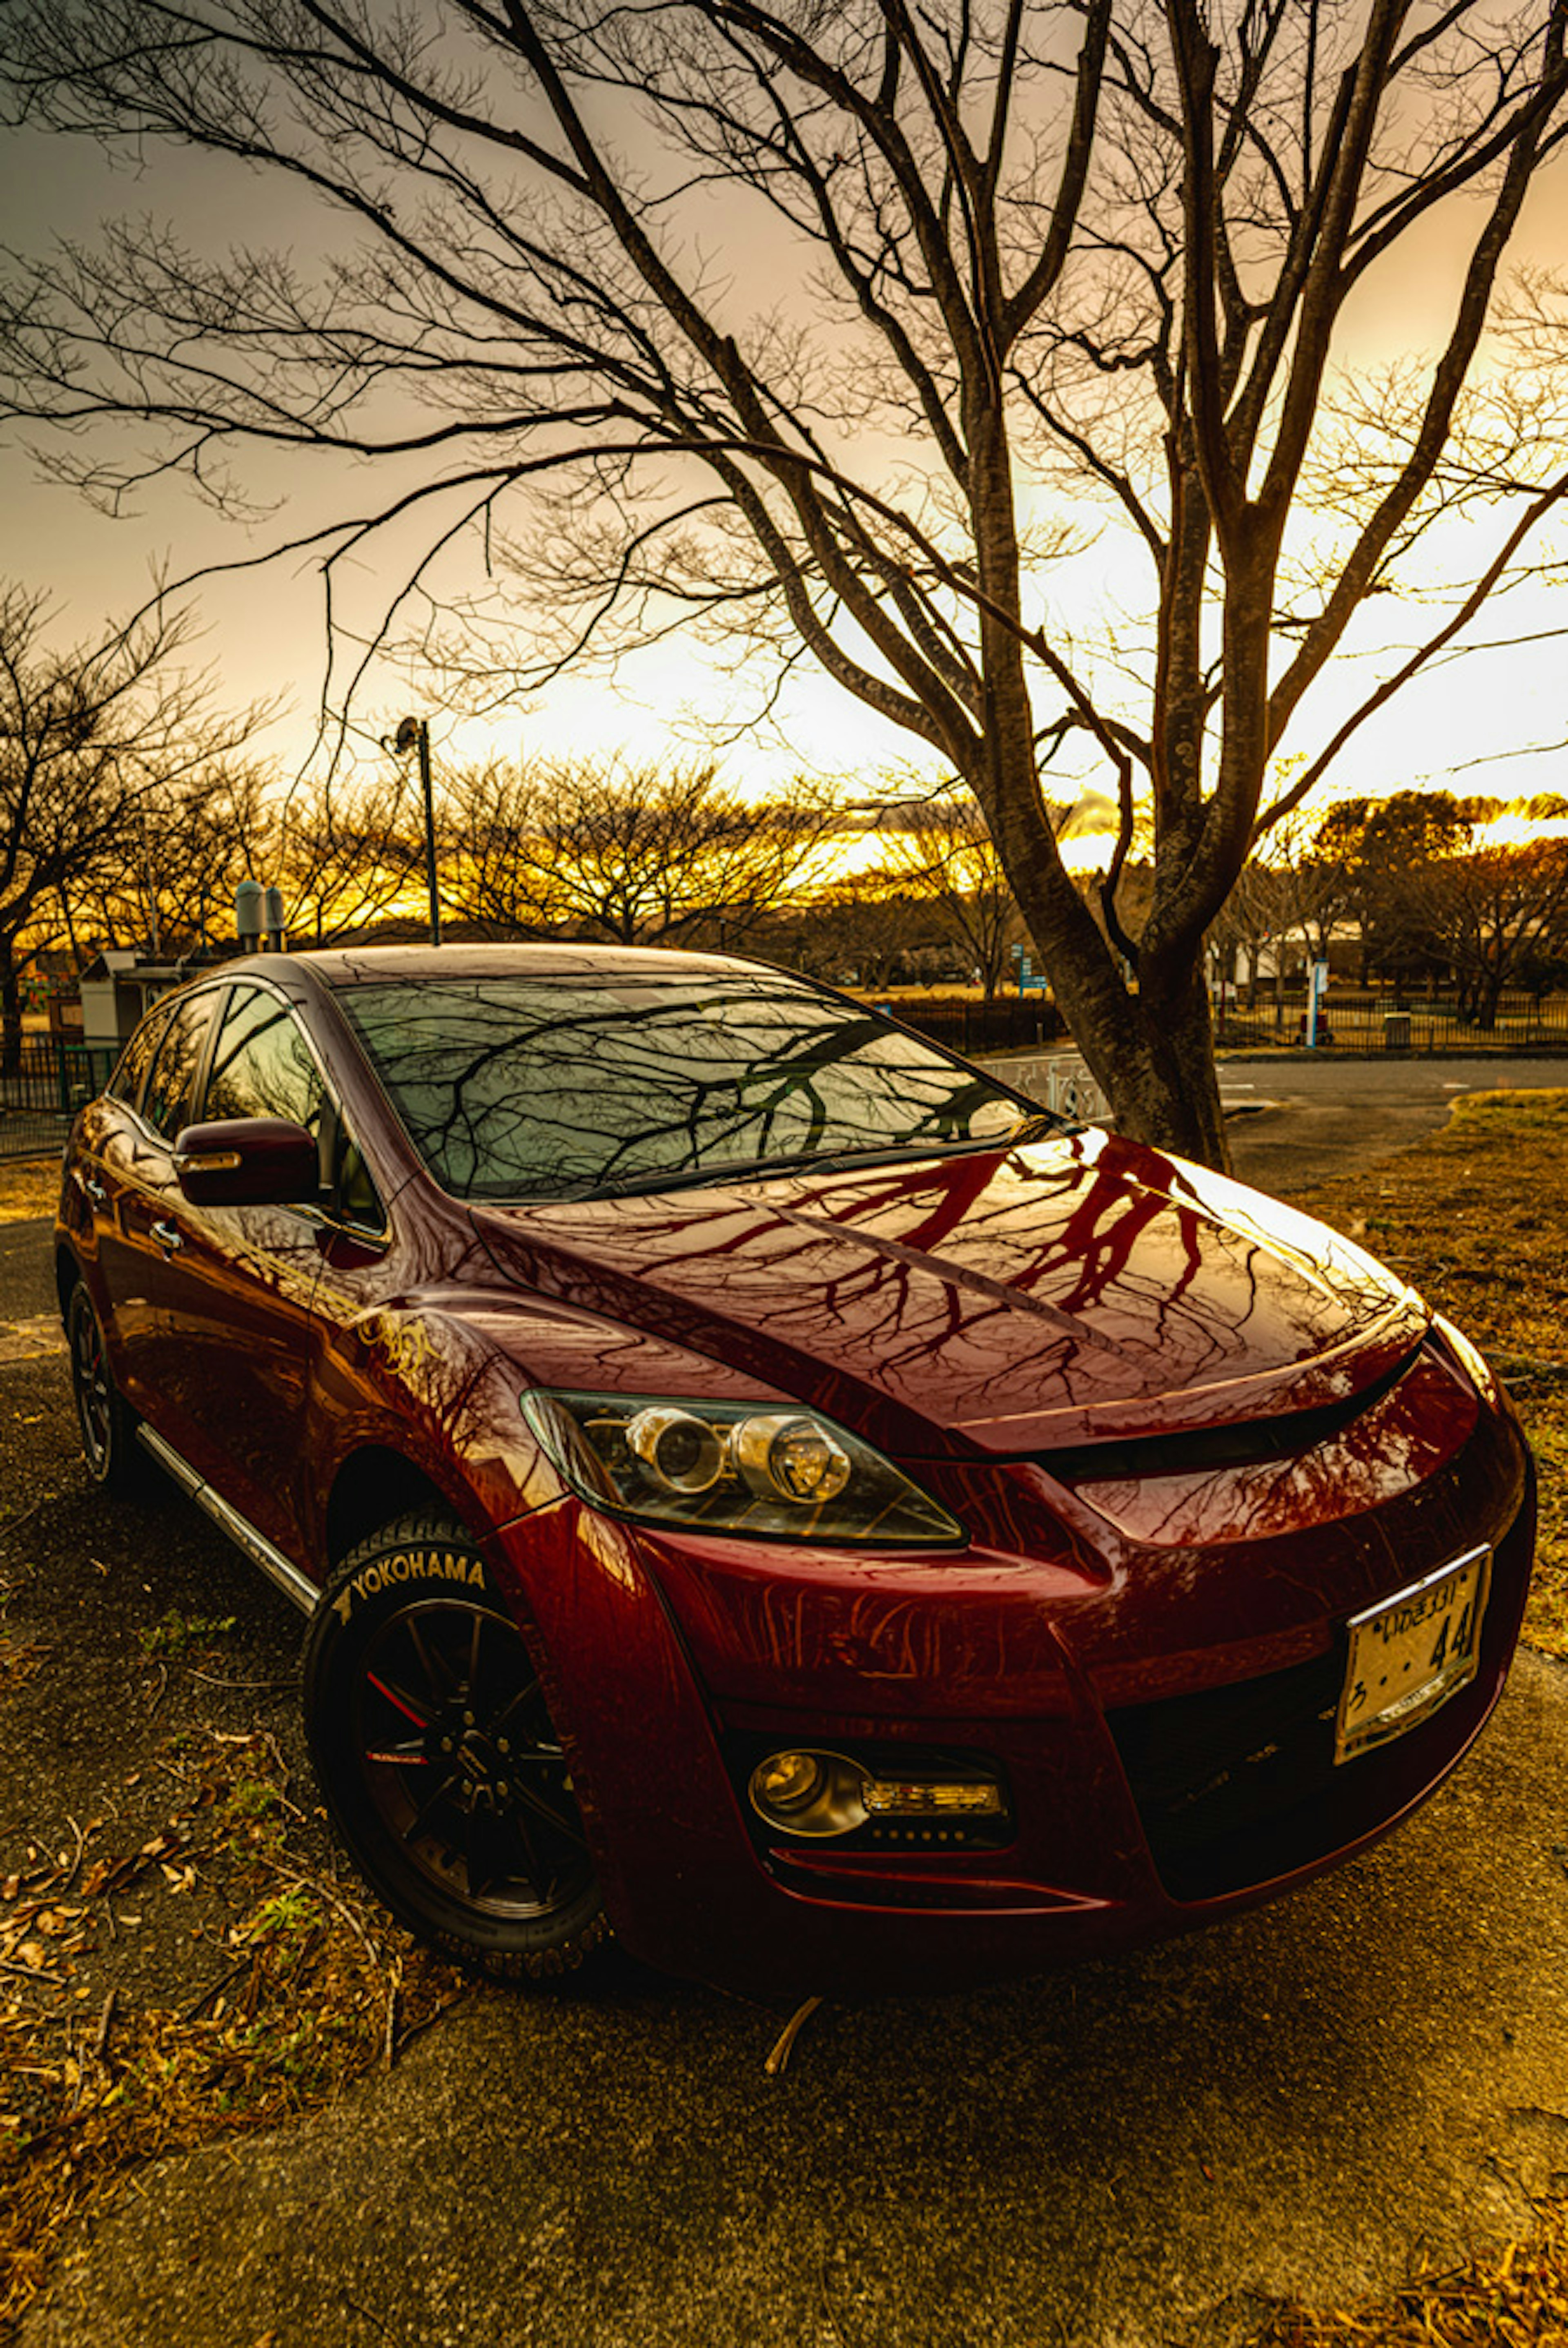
(264, 633)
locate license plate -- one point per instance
(1411, 1653)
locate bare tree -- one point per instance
(640, 855)
(1490, 913)
(941, 852)
(91, 738)
(165, 882)
(1013, 249)
(867, 929)
(344, 853)
(488, 879)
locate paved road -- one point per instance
(1142, 2153)
(1324, 1116)
(1310, 2100)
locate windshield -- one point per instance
(532, 1086)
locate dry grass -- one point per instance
(1519, 2299)
(1476, 1219)
(312, 1988)
(29, 1188)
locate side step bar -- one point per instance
(240, 1529)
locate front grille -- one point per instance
(1232, 1784)
(1236, 1785)
(1193, 1449)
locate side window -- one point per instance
(358, 1200)
(262, 1065)
(125, 1084)
(167, 1103)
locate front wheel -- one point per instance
(440, 1764)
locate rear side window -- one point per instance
(262, 1065)
(125, 1084)
(170, 1088)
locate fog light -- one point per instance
(809, 1792)
(787, 1781)
(908, 1797)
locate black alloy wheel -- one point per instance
(440, 1763)
(107, 1425)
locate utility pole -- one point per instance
(414, 733)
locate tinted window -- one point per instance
(262, 1065)
(125, 1084)
(167, 1103)
(543, 1087)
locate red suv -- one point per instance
(759, 1486)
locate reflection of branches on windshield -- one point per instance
(551, 1094)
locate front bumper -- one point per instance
(1160, 1707)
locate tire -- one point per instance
(440, 1766)
(114, 1460)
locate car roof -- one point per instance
(363, 965)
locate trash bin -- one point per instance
(1396, 1031)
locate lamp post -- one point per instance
(414, 733)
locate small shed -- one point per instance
(118, 988)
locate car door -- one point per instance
(145, 1261)
(246, 1275)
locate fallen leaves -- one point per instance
(313, 1988)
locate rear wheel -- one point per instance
(440, 1763)
(107, 1424)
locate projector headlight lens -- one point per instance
(679, 1452)
(731, 1468)
(791, 1459)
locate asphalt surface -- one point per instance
(1302, 1119)
(1309, 2101)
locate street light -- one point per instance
(414, 733)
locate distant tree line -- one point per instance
(1414, 885)
(131, 810)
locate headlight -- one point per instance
(731, 1468)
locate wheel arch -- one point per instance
(67, 1271)
(376, 1484)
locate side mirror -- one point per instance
(248, 1161)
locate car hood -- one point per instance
(1085, 1289)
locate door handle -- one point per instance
(168, 1237)
(95, 1190)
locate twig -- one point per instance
(417, 2029)
(212, 1680)
(355, 2308)
(76, 1862)
(214, 1988)
(388, 2046)
(31, 1973)
(778, 2061)
(106, 2019)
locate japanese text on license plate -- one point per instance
(1411, 1653)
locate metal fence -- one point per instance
(41, 1094)
(1011, 1024)
(1380, 1019)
